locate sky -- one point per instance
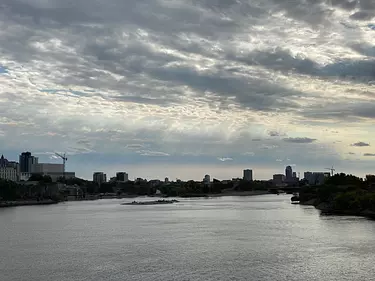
(184, 88)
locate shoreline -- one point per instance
(6, 204)
(240, 193)
(192, 195)
(325, 209)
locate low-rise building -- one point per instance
(24, 176)
(278, 179)
(47, 168)
(154, 183)
(9, 173)
(315, 178)
(55, 171)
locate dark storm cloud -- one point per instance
(360, 144)
(144, 100)
(362, 15)
(257, 94)
(299, 140)
(314, 12)
(364, 49)
(342, 111)
(275, 133)
(282, 60)
(108, 37)
(278, 59)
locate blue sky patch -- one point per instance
(3, 70)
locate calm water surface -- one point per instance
(229, 238)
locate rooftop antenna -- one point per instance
(331, 169)
(64, 158)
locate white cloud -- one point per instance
(152, 153)
(224, 159)
(183, 80)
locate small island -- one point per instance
(157, 202)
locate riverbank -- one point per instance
(5, 204)
(327, 209)
(240, 193)
(227, 193)
(191, 195)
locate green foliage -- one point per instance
(40, 178)
(355, 200)
(107, 187)
(8, 190)
(343, 179)
(345, 193)
(36, 177)
(252, 185)
(370, 179)
(73, 181)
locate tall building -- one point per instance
(294, 175)
(122, 177)
(288, 173)
(26, 162)
(207, 179)
(248, 175)
(99, 177)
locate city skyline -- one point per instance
(53, 164)
(181, 89)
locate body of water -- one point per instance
(261, 238)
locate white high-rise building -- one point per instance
(248, 175)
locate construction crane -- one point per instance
(331, 169)
(64, 158)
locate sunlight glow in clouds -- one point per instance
(132, 84)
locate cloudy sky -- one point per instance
(181, 88)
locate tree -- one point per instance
(344, 179)
(36, 177)
(46, 179)
(8, 190)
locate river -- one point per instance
(227, 238)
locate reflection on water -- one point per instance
(228, 238)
